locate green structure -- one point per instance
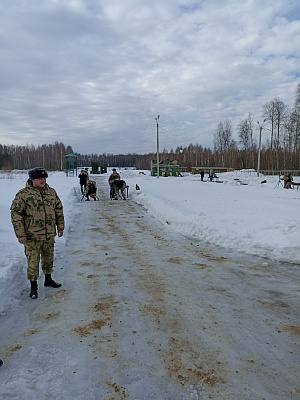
(167, 168)
(97, 170)
(211, 170)
(71, 164)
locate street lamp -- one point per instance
(259, 145)
(157, 145)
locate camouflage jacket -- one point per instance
(36, 214)
(87, 175)
(91, 188)
(113, 177)
(287, 178)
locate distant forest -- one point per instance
(280, 151)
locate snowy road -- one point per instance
(145, 314)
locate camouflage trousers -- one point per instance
(36, 250)
(117, 190)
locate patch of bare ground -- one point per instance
(31, 332)
(150, 282)
(175, 260)
(87, 329)
(201, 266)
(84, 264)
(153, 310)
(119, 390)
(183, 360)
(209, 256)
(294, 330)
(105, 307)
(96, 230)
(278, 306)
(11, 350)
(52, 316)
(99, 264)
(113, 227)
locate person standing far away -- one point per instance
(36, 214)
(202, 175)
(82, 181)
(111, 180)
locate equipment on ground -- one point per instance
(278, 183)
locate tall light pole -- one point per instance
(259, 145)
(157, 145)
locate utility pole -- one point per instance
(259, 145)
(157, 145)
(61, 158)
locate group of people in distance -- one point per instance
(87, 186)
(89, 189)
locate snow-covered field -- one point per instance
(259, 219)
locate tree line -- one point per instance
(49, 156)
(280, 128)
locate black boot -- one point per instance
(50, 282)
(33, 291)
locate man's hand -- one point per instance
(22, 240)
(60, 233)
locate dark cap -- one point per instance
(37, 173)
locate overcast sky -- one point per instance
(94, 74)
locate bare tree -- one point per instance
(275, 112)
(223, 141)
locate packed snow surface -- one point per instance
(238, 212)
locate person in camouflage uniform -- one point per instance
(111, 180)
(287, 180)
(36, 213)
(90, 190)
(119, 185)
(86, 172)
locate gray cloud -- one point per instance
(94, 74)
